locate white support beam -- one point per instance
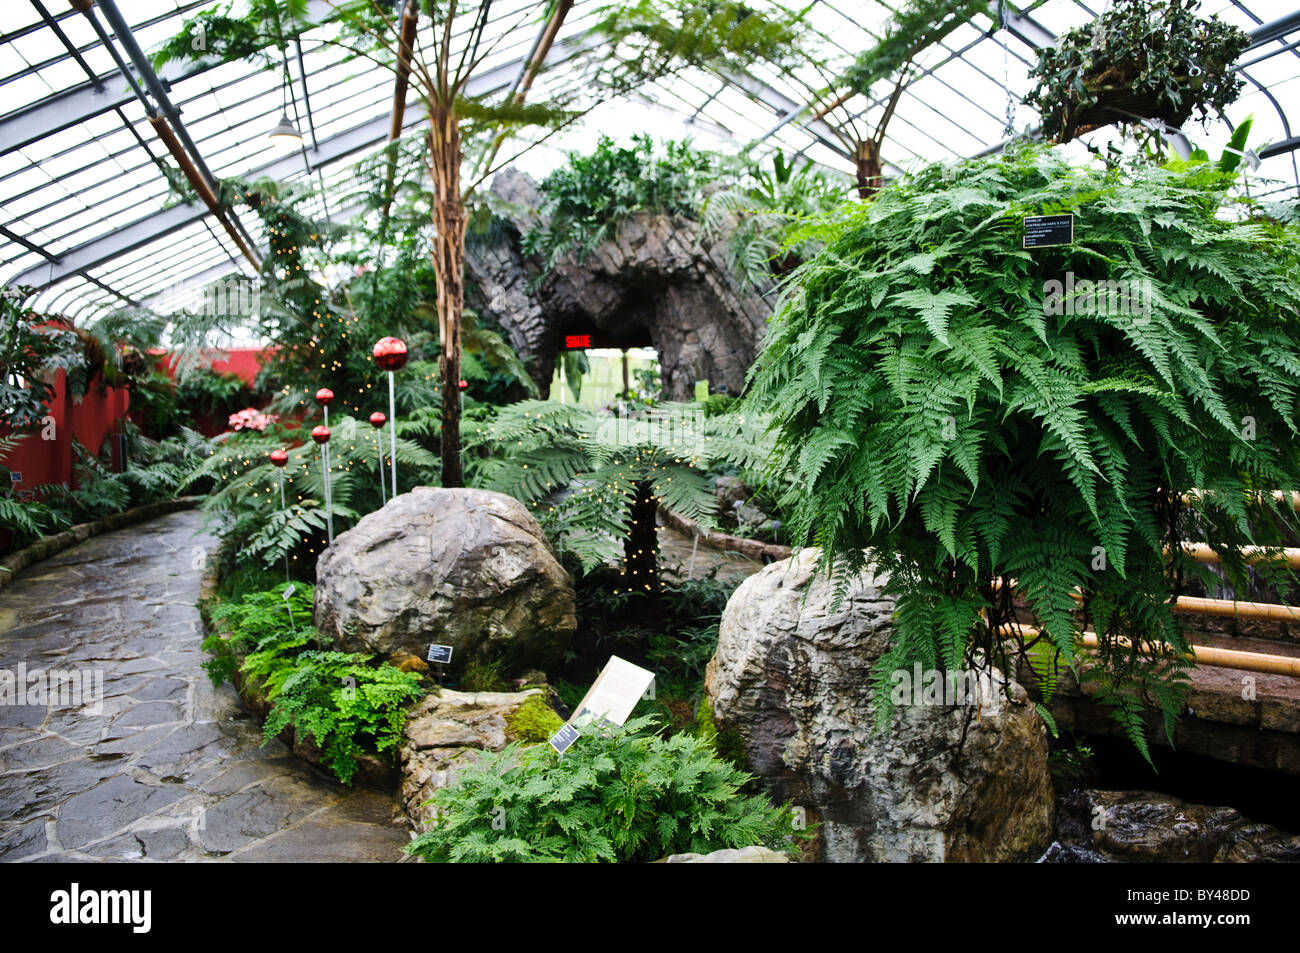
(143, 231)
(64, 110)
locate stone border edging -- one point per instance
(752, 548)
(48, 546)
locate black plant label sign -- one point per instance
(563, 738)
(1044, 231)
(440, 654)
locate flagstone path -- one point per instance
(165, 767)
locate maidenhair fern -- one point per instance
(946, 411)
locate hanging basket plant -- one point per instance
(1139, 60)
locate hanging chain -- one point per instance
(1009, 129)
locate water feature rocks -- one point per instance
(1147, 827)
(792, 677)
(465, 568)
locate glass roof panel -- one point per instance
(81, 187)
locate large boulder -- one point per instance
(446, 733)
(466, 568)
(792, 677)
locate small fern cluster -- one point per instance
(617, 795)
(585, 200)
(939, 415)
(344, 703)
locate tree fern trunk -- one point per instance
(869, 172)
(445, 156)
(641, 545)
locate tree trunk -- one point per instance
(641, 545)
(870, 174)
(445, 156)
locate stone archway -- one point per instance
(654, 274)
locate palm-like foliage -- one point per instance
(245, 500)
(938, 415)
(594, 480)
(761, 210)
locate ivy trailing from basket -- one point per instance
(1141, 59)
(940, 415)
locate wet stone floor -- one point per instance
(159, 765)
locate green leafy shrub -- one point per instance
(620, 468)
(944, 412)
(618, 794)
(244, 503)
(342, 701)
(585, 200)
(203, 390)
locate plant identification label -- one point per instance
(614, 693)
(439, 653)
(563, 738)
(1044, 231)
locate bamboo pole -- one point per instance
(1240, 610)
(1208, 655)
(1229, 658)
(1197, 605)
(1252, 554)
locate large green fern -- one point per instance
(935, 415)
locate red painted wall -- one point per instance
(90, 421)
(244, 361)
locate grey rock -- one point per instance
(653, 274)
(742, 855)
(445, 734)
(1147, 827)
(792, 675)
(466, 568)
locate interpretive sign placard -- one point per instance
(614, 693)
(566, 736)
(439, 653)
(1043, 231)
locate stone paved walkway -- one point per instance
(168, 768)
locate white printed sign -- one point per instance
(614, 693)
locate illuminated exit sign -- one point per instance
(577, 341)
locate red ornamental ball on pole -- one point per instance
(390, 354)
(279, 457)
(464, 385)
(378, 419)
(321, 434)
(324, 396)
